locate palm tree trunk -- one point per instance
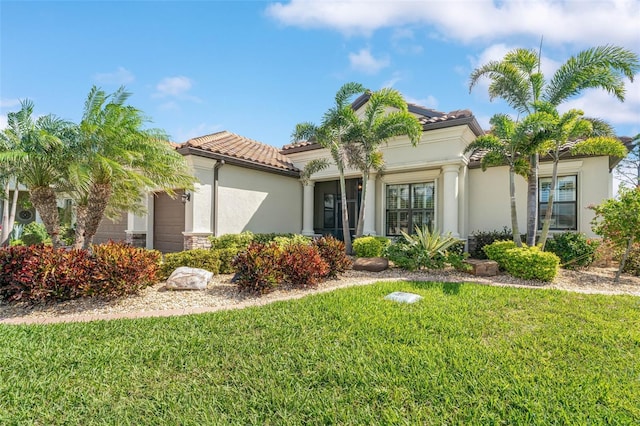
(4, 235)
(12, 213)
(99, 195)
(81, 224)
(44, 200)
(346, 232)
(547, 216)
(532, 201)
(360, 227)
(514, 211)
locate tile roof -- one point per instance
(429, 118)
(232, 146)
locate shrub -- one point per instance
(239, 241)
(302, 265)
(497, 251)
(258, 268)
(573, 249)
(123, 269)
(291, 239)
(403, 255)
(226, 256)
(267, 238)
(333, 252)
(424, 249)
(367, 247)
(41, 273)
(196, 258)
(480, 239)
(531, 263)
(632, 265)
(35, 233)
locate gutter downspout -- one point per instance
(214, 212)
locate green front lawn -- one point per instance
(465, 354)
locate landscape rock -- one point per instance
(185, 278)
(483, 267)
(371, 264)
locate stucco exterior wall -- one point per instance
(257, 201)
(489, 193)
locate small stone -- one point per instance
(402, 297)
(371, 264)
(482, 267)
(185, 278)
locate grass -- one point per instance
(465, 354)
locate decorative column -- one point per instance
(369, 227)
(307, 208)
(450, 199)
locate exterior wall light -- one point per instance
(185, 197)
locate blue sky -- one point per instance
(257, 68)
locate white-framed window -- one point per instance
(565, 206)
(409, 205)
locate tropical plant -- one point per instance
(330, 134)
(618, 221)
(518, 80)
(35, 153)
(117, 161)
(429, 244)
(506, 144)
(560, 129)
(385, 116)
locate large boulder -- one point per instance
(371, 264)
(185, 278)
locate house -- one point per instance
(245, 185)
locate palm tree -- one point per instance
(517, 79)
(117, 161)
(628, 169)
(336, 122)
(570, 126)
(37, 154)
(376, 126)
(506, 143)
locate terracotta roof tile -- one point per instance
(231, 145)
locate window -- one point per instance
(408, 206)
(565, 214)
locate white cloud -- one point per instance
(600, 104)
(428, 102)
(566, 21)
(3, 121)
(202, 129)
(173, 86)
(9, 103)
(395, 78)
(365, 62)
(119, 77)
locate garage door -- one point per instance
(168, 223)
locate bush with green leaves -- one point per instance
(196, 258)
(497, 251)
(424, 250)
(367, 247)
(291, 239)
(226, 256)
(268, 237)
(238, 241)
(531, 263)
(35, 233)
(573, 248)
(632, 265)
(485, 238)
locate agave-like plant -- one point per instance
(430, 243)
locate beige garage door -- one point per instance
(109, 230)
(168, 223)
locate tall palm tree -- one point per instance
(336, 122)
(37, 153)
(518, 80)
(506, 144)
(117, 161)
(386, 116)
(597, 138)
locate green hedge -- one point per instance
(498, 250)
(370, 246)
(531, 263)
(196, 258)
